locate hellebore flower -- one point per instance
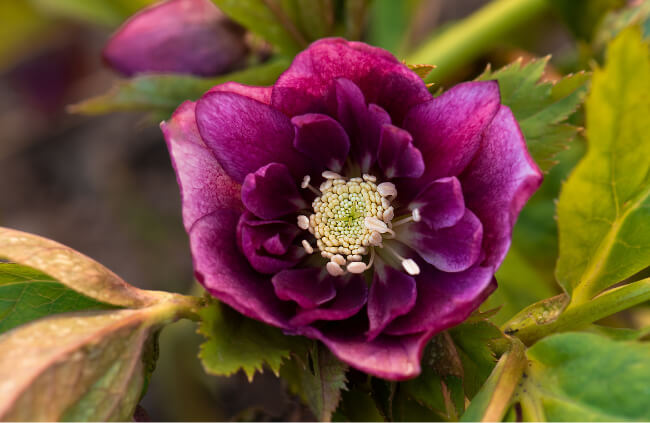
(346, 204)
(181, 36)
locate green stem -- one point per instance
(469, 38)
(531, 325)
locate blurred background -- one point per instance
(104, 185)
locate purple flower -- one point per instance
(182, 36)
(346, 204)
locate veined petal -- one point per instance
(309, 287)
(322, 139)
(270, 192)
(245, 134)
(441, 203)
(261, 94)
(398, 157)
(499, 181)
(204, 185)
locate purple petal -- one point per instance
(444, 299)
(447, 130)
(308, 287)
(322, 139)
(398, 157)
(245, 134)
(499, 181)
(204, 185)
(227, 275)
(351, 296)
(268, 244)
(441, 203)
(180, 36)
(392, 294)
(261, 94)
(270, 192)
(388, 357)
(307, 86)
(450, 249)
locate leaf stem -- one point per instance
(466, 40)
(531, 325)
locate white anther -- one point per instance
(416, 215)
(307, 246)
(374, 224)
(411, 267)
(334, 269)
(369, 178)
(354, 257)
(356, 267)
(388, 215)
(305, 181)
(385, 202)
(328, 174)
(303, 222)
(338, 259)
(326, 185)
(374, 239)
(387, 189)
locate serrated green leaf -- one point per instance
(605, 205)
(267, 19)
(27, 294)
(235, 342)
(421, 70)
(79, 366)
(357, 406)
(540, 107)
(473, 342)
(161, 94)
(586, 377)
(318, 377)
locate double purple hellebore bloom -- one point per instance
(348, 205)
(180, 36)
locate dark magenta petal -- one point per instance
(307, 86)
(268, 244)
(388, 357)
(271, 192)
(308, 287)
(447, 130)
(450, 249)
(180, 36)
(222, 269)
(261, 94)
(322, 139)
(499, 182)
(245, 134)
(441, 203)
(204, 185)
(398, 157)
(444, 299)
(351, 296)
(392, 294)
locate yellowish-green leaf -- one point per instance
(27, 294)
(604, 207)
(79, 366)
(73, 269)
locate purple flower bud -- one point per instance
(349, 160)
(180, 36)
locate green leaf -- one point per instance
(236, 342)
(268, 19)
(73, 269)
(161, 94)
(473, 342)
(540, 107)
(103, 12)
(605, 205)
(27, 294)
(358, 406)
(492, 401)
(315, 17)
(88, 366)
(318, 377)
(583, 16)
(587, 377)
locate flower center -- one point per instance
(351, 217)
